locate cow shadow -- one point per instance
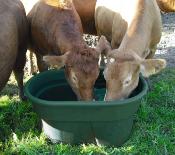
(10, 90)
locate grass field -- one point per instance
(153, 132)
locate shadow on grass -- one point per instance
(10, 90)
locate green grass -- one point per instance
(153, 132)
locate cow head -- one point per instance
(81, 69)
(122, 72)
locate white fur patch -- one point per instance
(111, 60)
(127, 80)
(74, 78)
(143, 71)
(142, 68)
(105, 72)
(45, 58)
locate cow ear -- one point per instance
(152, 66)
(103, 46)
(56, 61)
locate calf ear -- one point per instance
(103, 46)
(56, 61)
(152, 66)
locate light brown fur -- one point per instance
(134, 29)
(13, 42)
(56, 30)
(166, 5)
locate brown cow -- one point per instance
(166, 5)
(86, 10)
(13, 42)
(134, 29)
(56, 30)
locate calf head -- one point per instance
(122, 72)
(81, 69)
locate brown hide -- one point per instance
(166, 5)
(86, 10)
(13, 41)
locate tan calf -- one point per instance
(134, 29)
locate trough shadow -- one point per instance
(10, 90)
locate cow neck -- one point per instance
(135, 40)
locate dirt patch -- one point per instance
(166, 47)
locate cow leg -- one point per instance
(19, 78)
(32, 67)
(19, 72)
(42, 66)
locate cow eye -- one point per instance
(111, 60)
(127, 81)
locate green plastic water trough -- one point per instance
(67, 120)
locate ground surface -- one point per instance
(154, 125)
(166, 47)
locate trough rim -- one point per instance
(36, 100)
